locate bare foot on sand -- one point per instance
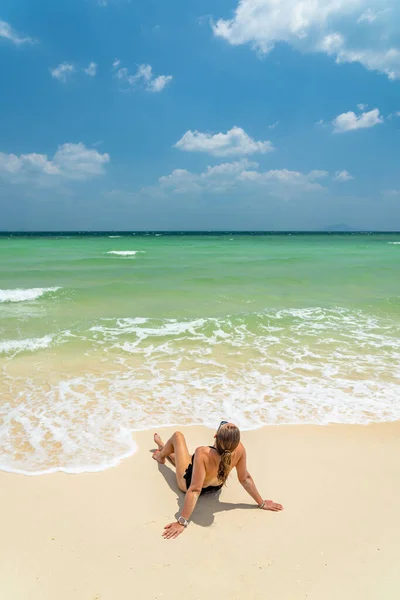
(157, 457)
(156, 454)
(158, 441)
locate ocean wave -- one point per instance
(292, 366)
(124, 252)
(394, 243)
(252, 329)
(25, 295)
(25, 345)
(114, 236)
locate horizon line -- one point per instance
(193, 232)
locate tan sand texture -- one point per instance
(98, 536)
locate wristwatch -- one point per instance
(183, 521)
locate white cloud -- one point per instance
(91, 70)
(65, 70)
(159, 83)
(144, 72)
(350, 121)
(24, 165)
(122, 73)
(62, 71)
(383, 60)
(273, 125)
(371, 15)
(70, 162)
(216, 179)
(243, 175)
(342, 176)
(287, 177)
(76, 161)
(314, 26)
(368, 15)
(144, 75)
(234, 142)
(181, 181)
(8, 33)
(116, 63)
(362, 106)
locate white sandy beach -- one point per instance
(98, 536)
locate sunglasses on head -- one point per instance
(222, 423)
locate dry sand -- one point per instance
(98, 536)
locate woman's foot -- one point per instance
(157, 457)
(160, 444)
(157, 453)
(158, 441)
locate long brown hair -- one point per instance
(226, 441)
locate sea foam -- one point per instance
(25, 295)
(25, 345)
(124, 252)
(309, 365)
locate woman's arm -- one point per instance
(192, 495)
(248, 483)
(196, 485)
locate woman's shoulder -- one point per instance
(202, 450)
(205, 453)
(240, 450)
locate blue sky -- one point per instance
(215, 115)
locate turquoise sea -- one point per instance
(104, 335)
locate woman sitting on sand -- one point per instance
(207, 470)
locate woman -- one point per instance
(207, 470)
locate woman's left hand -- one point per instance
(172, 530)
(271, 505)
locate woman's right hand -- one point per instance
(271, 505)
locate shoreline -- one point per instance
(97, 536)
(117, 461)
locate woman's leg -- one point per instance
(160, 444)
(177, 450)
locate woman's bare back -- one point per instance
(211, 459)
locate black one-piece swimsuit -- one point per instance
(188, 478)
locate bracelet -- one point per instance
(262, 505)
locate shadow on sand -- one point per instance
(207, 506)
